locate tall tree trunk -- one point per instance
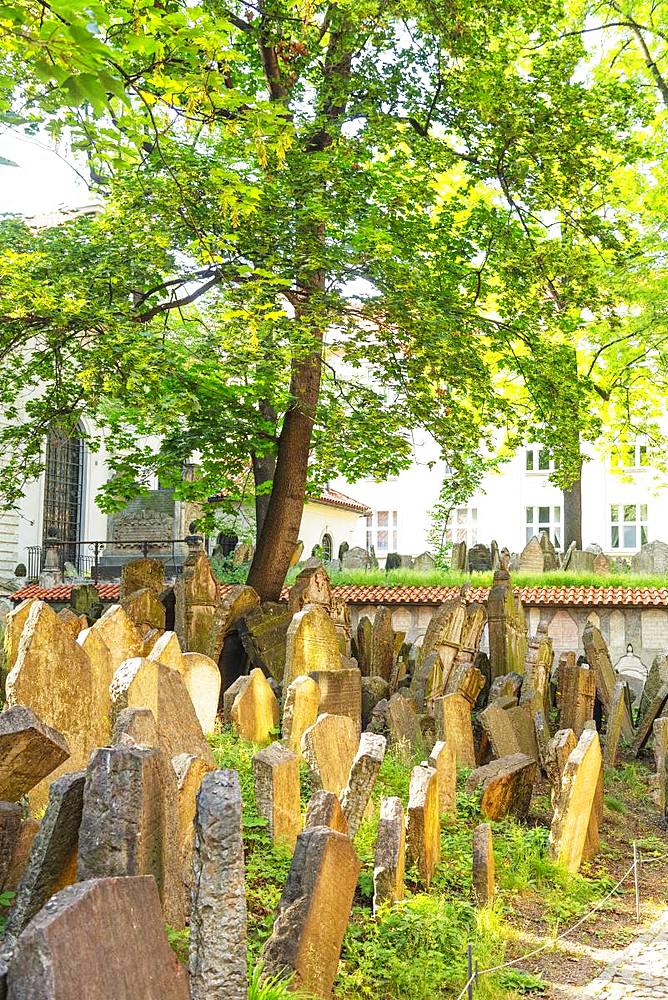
(573, 513)
(264, 467)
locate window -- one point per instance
(628, 525)
(63, 486)
(463, 526)
(544, 519)
(381, 531)
(538, 459)
(327, 546)
(630, 455)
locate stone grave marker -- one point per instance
(444, 636)
(229, 695)
(119, 634)
(577, 695)
(52, 860)
(500, 730)
(506, 686)
(196, 592)
(506, 628)
(301, 709)
(658, 675)
(390, 854)
(601, 565)
(16, 619)
(660, 748)
(129, 824)
(427, 681)
(29, 752)
(201, 677)
(363, 773)
(329, 747)
(483, 865)
(599, 661)
(357, 558)
(16, 863)
(144, 609)
(340, 693)
(226, 646)
(71, 622)
(312, 644)
(167, 650)
(142, 683)
(364, 644)
(480, 559)
(465, 679)
(538, 668)
(532, 557)
(423, 827)
(656, 708)
(652, 560)
(95, 940)
(507, 785)
(102, 666)
(135, 727)
(550, 557)
(218, 933)
(424, 563)
(324, 809)
(614, 732)
(312, 586)
(458, 557)
(276, 773)
(190, 771)
(577, 800)
(10, 829)
(374, 689)
(143, 574)
(559, 749)
(444, 761)
(255, 713)
(403, 722)
(453, 724)
(313, 911)
(382, 644)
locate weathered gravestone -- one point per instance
(424, 563)
(357, 558)
(276, 773)
(423, 827)
(18, 859)
(601, 565)
(364, 644)
(444, 636)
(135, 727)
(660, 748)
(142, 683)
(453, 724)
(313, 911)
(559, 749)
(427, 681)
(656, 708)
(403, 722)
(312, 644)
(301, 709)
(218, 934)
(550, 558)
(196, 592)
(142, 574)
(340, 693)
(129, 824)
(390, 854)
(16, 619)
(374, 689)
(312, 586)
(10, 828)
(615, 715)
(166, 649)
(29, 752)
(458, 557)
(119, 635)
(444, 761)
(324, 809)
(382, 644)
(145, 610)
(255, 713)
(53, 856)
(532, 557)
(363, 773)
(52, 677)
(658, 675)
(329, 747)
(506, 628)
(599, 661)
(95, 940)
(538, 668)
(480, 559)
(226, 646)
(201, 677)
(507, 785)
(465, 678)
(483, 865)
(190, 773)
(71, 622)
(508, 686)
(577, 695)
(652, 560)
(577, 802)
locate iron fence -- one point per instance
(82, 559)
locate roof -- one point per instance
(332, 498)
(376, 595)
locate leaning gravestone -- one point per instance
(312, 644)
(324, 809)
(364, 644)
(276, 773)
(53, 857)
(196, 592)
(403, 722)
(312, 586)
(16, 863)
(255, 713)
(658, 675)
(218, 921)
(655, 710)
(119, 634)
(577, 696)
(507, 785)
(577, 801)
(598, 658)
(166, 650)
(313, 912)
(301, 709)
(617, 708)
(201, 677)
(390, 854)
(443, 759)
(189, 772)
(145, 610)
(423, 828)
(16, 619)
(382, 644)
(506, 628)
(480, 559)
(29, 752)
(363, 773)
(329, 747)
(558, 750)
(10, 829)
(453, 724)
(129, 824)
(357, 558)
(95, 940)
(374, 689)
(142, 574)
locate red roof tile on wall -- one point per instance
(530, 596)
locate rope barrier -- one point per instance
(551, 943)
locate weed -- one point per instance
(522, 982)
(179, 942)
(615, 805)
(271, 987)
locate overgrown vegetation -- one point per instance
(417, 949)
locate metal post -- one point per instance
(469, 991)
(96, 563)
(635, 880)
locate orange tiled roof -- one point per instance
(333, 498)
(530, 596)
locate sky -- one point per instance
(41, 182)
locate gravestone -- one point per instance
(357, 558)
(656, 709)
(507, 785)
(382, 644)
(52, 860)
(577, 695)
(550, 558)
(601, 565)
(581, 562)
(658, 675)
(403, 723)
(465, 679)
(506, 686)
(577, 800)
(313, 912)
(119, 635)
(135, 727)
(226, 647)
(660, 748)
(631, 668)
(364, 644)
(255, 714)
(424, 563)
(144, 609)
(142, 683)
(300, 711)
(483, 865)
(312, 644)
(324, 809)
(652, 560)
(598, 658)
(16, 619)
(340, 693)
(480, 559)
(329, 747)
(374, 689)
(276, 773)
(559, 749)
(538, 669)
(201, 677)
(29, 752)
(312, 586)
(190, 771)
(363, 773)
(458, 557)
(453, 724)
(444, 634)
(196, 592)
(390, 854)
(443, 759)
(427, 681)
(102, 666)
(506, 628)
(567, 556)
(218, 969)
(129, 824)
(142, 574)
(52, 677)
(95, 940)
(423, 828)
(532, 557)
(614, 732)
(10, 828)
(71, 622)
(18, 860)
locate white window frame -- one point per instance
(376, 530)
(532, 457)
(463, 526)
(534, 524)
(327, 534)
(622, 525)
(640, 455)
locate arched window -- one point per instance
(63, 489)
(327, 546)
